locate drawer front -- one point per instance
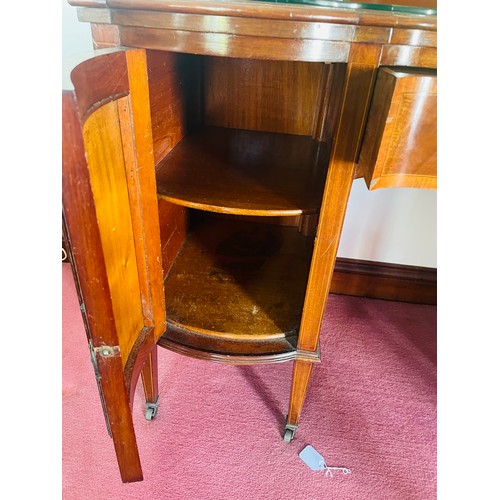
(399, 147)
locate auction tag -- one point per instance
(316, 462)
(312, 458)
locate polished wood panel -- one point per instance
(421, 38)
(131, 173)
(80, 227)
(136, 131)
(387, 281)
(289, 28)
(264, 173)
(238, 280)
(273, 96)
(175, 98)
(173, 230)
(276, 36)
(397, 20)
(104, 36)
(263, 10)
(104, 152)
(225, 24)
(329, 103)
(404, 55)
(223, 45)
(96, 83)
(400, 148)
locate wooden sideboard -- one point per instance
(208, 154)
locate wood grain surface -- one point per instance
(262, 173)
(400, 143)
(239, 280)
(241, 134)
(104, 151)
(277, 11)
(272, 96)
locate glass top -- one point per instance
(424, 7)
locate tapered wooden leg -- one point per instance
(117, 412)
(358, 82)
(149, 377)
(301, 374)
(125, 444)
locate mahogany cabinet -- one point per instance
(207, 164)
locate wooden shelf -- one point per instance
(244, 172)
(239, 280)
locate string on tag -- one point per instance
(328, 470)
(316, 462)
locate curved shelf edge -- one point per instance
(228, 359)
(224, 209)
(264, 173)
(227, 351)
(217, 335)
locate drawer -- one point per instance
(399, 147)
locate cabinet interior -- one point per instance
(241, 149)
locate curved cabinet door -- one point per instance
(110, 215)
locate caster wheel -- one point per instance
(150, 413)
(288, 436)
(151, 409)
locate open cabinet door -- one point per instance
(110, 220)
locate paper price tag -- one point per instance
(312, 458)
(316, 462)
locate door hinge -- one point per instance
(107, 351)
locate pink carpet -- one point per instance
(371, 406)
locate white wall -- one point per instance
(386, 225)
(395, 225)
(76, 36)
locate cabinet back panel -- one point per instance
(271, 96)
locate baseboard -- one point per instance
(381, 280)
